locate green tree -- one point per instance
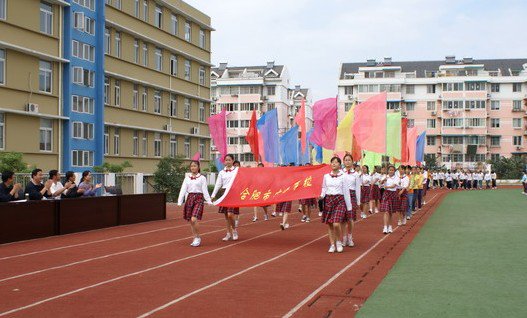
(169, 177)
(12, 161)
(431, 162)
(509, 168)
(113, 168)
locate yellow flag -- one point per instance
(344, 134)
(327, 154)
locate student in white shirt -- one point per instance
(365, 191)
(225, 177)
(195, 193)
(403, 188)
(424, 172)
(449, 179)
(481, 175)
(390, 202)
(375, 191)
(494, 177)
(441, 177)
(337, 203)
(488, 179)
(353, 184)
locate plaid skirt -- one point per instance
(403, 202)
(390, 202)
(334, 209)
(225, 210)
(365, 194)
(194, 206)
(284, 207)
(308, 202)
(375, 193)
(354, 207)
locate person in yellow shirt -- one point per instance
(412, 192)
(418, 193)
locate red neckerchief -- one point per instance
(195, 177)
(229, 170)
(334, 176)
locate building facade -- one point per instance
(93, 81)
(471, 110)
(242, 89)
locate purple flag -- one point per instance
(325, 122)
(218, 132)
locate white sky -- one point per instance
(313, 37)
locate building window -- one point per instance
(3, 9)
(173, 106)
(88, 77)
(46, 134)
(453, 104)
(82, 130)
(173, 146)
(187, 70)
(202, 148)
(106, 140)
(187, 147)
(187, 109)
(495, 156)
(475, 104)
(2, 131)
(348, 90)
(516, 105)
(410, 123)
(188, 31)
(452, 87)
(431, 105)
(202, 111)
(45, 77)
(136, 51)
(410, 106)
(202, 75)
(517, 123)
(494, 105)
(173, 25)
(136, 8)
(145, 54)
(159, 59)
(271, 90)
(46, 18)
(393, 105)
(232, 124)
(145, 144)
(78, 20)
(145, 10)
(410, 89)
(430, 140)
(106, 90)
(89, 26)
(157, 102)
(81, 104)
(202, 38)
(135, 97)
(495, 140)
(118, 44)
(135, 144)
(516, 87)
(430, 88)
(495, 88)
(157, 145)
(173, 65)
(2, 67)
(144, 99)
(117, 93)
(495, 123)
(475, 86)
(430, 123)
(158, 18)
(517, 140)
(81, 158)
(107, 41)
(116, 141)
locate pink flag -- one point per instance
(369, 126)
(300, 120)
(197, 156)
(325, 122)
(218, 132)
(411, 142)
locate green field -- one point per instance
(469, 260)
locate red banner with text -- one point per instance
(266, 186)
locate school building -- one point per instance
(472, 110)
(84, 82)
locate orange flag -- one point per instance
(252, 137)
(300, 120)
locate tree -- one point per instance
(113, 168)
(431, 162)
(169, 177)
(12, 161)
(509, 168)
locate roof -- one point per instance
(421, 66)
(261, 68)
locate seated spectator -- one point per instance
(72, 191)
(56, 187)
(36, 189)
(90, 190)
(8, 190)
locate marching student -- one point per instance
(337, 203)
(225, 177)
(195, 193)
(264, 208)
(375, 195)
(285, 208)
(365, 191)
(389, 203)
(236, 164)
(353, 184)
(488, 179)
(413, 187)
(524, 182)
(424, 175)
(383, 177)
(449, 179)
(418, 193)
(481, 175)
(435, 184)
(494, 176)
(441, 177)
(404, 185)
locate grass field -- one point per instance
(469, 260)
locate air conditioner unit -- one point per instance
(350, 97)
(32, 108)
(167, 127)
(194, 130)
(434, 113)
(518, 147)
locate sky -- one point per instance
(313, 37)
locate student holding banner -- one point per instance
(225, 177)
(264, 208)
(353, 185)
(337, 203)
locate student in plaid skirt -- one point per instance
(225, 177)
(306, 205)
(336, 204)
(353, 184)
(390, 202)
(375, 195)
(195, 193)
(365, 191)
(284, 208)
(403, 195)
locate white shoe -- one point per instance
(227, 237)
(255, 219)
(340, 248)
(408, 217)
(280, 214)
(319, 214)
(345, 240)
(273, 214)
(390, 230)
(363, 215)
(385, 230)
(303, 218)
(196, 242)
(266, 218)
(331, 249)
(399, 223)
(236, 223)
(234, 235)
(376, 210)
(286, 226)
(404, 221)
(299, 208)
(350, 241)
(308, 220)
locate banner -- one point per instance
(273, 185)
(325, 123)
(369, 124)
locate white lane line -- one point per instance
(102, 240)
(134, 274)
(228, 278)
(337, 275)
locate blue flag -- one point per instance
(289, 146)
(420, 147)
(268, 128)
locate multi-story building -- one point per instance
(472, 110)
(298, 94)
(242, 89)
(103, 81)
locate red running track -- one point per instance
(150, 270)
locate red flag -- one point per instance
(356, 152)
(252, 137)
(369, 125)
(300, 120)
(404, 143)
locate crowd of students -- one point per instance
(53, 188)
(464, 179)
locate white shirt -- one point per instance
(225, 177)
(194, 184)
(448, 176)
(494, 176)
(353, 182)
(383, 177)
(462, 176)
(469, 176)
(376, 178)
(441, 176)
(434, 175)
(397, 174)
(366, 179)
(480, 176)
(56, 187)
(390, 181)
(335, 185)
(404, 182)
(488, 177)
(425, 176)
